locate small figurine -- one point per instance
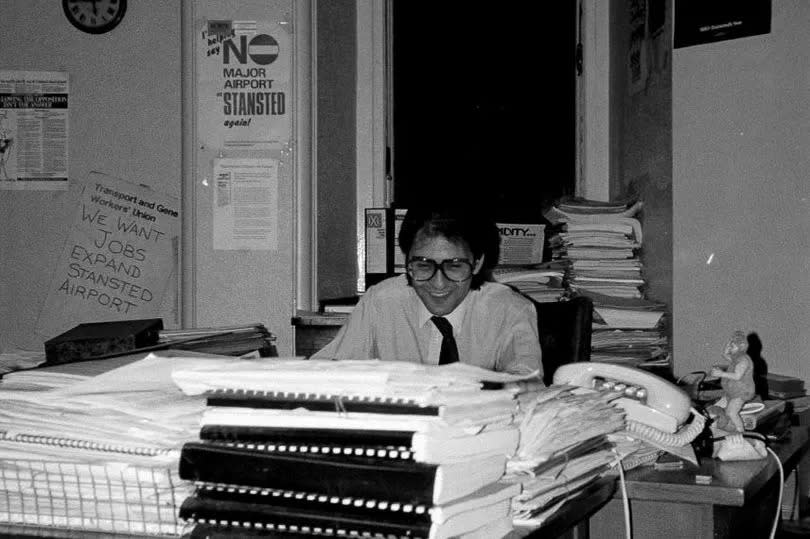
(737, 379)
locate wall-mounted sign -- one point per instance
(698, 21)
(244, 85)
(245, 214)
(33, 130)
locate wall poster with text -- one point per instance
(244, 85)
(697, 22)
(245, 214)
(33, 130)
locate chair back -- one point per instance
(565, 332)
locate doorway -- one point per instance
(484, 104)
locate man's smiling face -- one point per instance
(439, 294)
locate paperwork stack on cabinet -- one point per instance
(602, 242)
(353, 448)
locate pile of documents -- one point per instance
(542, 282)
(95, 453)
(565, 448)
(224, 340)
(602, 242)
(356, 448)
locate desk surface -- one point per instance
(310, 318)
(573, 514)
(732, 483)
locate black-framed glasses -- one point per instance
(455, 269)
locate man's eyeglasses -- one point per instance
(455, 269)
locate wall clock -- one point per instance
(94, 16)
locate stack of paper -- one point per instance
(602, 241)
(610, 247)
(541, 282)
(565, 446)
(224, 340)
(96, 453)
(393, 449)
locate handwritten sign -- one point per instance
(117, 259)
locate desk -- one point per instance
(739, 502)
(571, 521)
(314, 330)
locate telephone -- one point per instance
(654, 408)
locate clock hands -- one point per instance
(94, 16)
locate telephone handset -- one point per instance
(654, 407)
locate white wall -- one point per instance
(741, 189)
(127, 114)
(124, 120)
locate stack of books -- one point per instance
(349, 448)
(602, 241)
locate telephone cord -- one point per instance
(625, 501)
(678, 439)
(779, 497)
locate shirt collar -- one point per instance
(455, 317)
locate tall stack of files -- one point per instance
(568, 444)
(629, 331)
(96, 453)
(350, 448)
(542, 282)
(602, 242)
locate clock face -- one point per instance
(94, 16)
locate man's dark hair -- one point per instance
(459, 225)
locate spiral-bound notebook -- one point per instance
(242, 509)
(395, 444)
(462, 406)
(262, 417)
(340, 475)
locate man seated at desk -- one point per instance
(449, 254)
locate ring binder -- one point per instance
(404, 445)
(282, 400)
(383, 478)
(226, 506)
(360, 449)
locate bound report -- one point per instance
(301, 418)
(461, 406)
(395, 444)
(357, 517)
(379, 478)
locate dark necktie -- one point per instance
(449, 351)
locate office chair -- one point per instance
(565, 332)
